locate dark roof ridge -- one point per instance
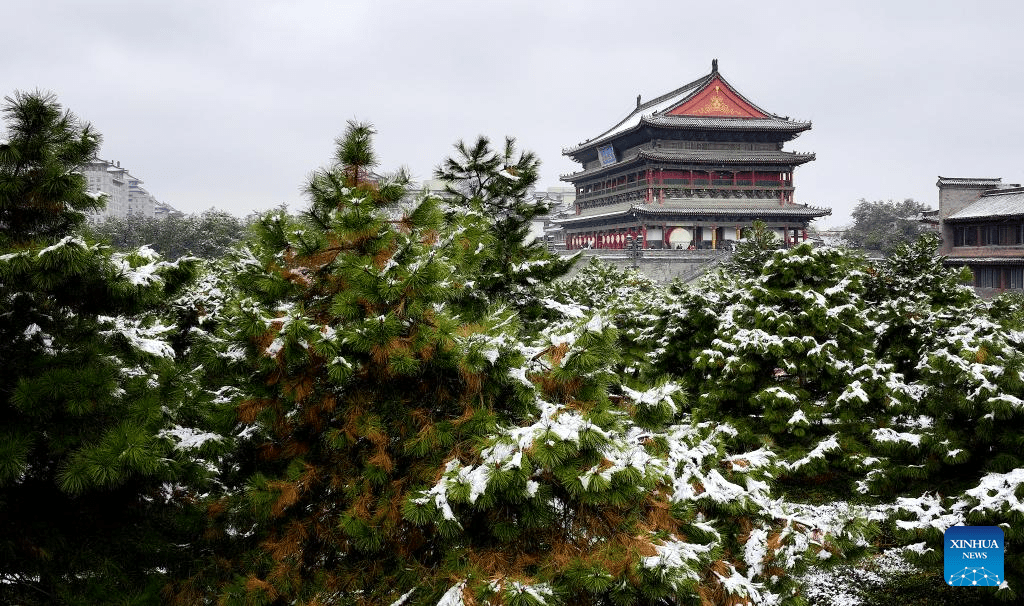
(699, 81)
(1009, 188)
(644, 112)
(972, 180)
(653, 102)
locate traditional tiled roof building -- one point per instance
(982, 222)
(690, 168)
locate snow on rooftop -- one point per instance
(633, 119)
(999, 203)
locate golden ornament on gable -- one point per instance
(716, 105)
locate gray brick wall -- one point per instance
(953, 198)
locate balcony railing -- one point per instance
(719, 184)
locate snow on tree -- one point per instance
(952, 450)
(42, 194)
(873, 382)
(397, 448)
(787, 354)
(498, 184)
(90, 507)
(884, 225)
(631, 300)
(208, 235)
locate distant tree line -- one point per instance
(884, 225)
(209, 234)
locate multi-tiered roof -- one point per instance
(706, 105)
(702, 151)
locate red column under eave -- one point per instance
(645, 236)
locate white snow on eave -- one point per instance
(633, 119)
(994, 205)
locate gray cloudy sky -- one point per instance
(231, 104)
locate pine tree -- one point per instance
(951, 448)
(498, 185)
(753, 251)
(891, 385)
(42, 196)
(786, 353)
(394, 449)
(630, 298)
(89, 480)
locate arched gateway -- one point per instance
(688, 169)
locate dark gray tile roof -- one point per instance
(653, 112)
(773, 209)
(962, 260)
(705, 123)
(986, 182)
(718, 158)
(718, 207)
(994, 204)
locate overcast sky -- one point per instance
(231, 104)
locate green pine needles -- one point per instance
(88, 505)
(394, 398)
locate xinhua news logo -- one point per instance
(973, 556)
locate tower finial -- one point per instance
(714, 66)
